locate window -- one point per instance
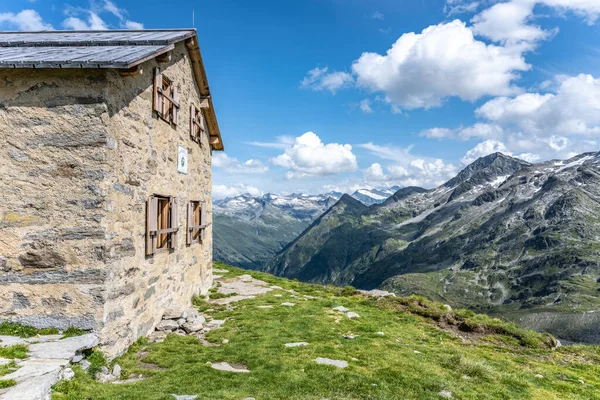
(166, 98)
(196, 222)
(161, 224)
(196, 128)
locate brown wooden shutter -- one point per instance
(190, 222)
(193, 122)
(151, 224)
(203, 220)
(176, 106)
(158, 87)
(174, 221)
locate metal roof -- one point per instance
(86, 49)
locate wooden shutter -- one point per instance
(193, 122)
(203, 220)
(174, 221)
(151, 224)
(175, 106)
(158, 87)
(190, 222)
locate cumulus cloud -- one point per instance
(224, 191)
(445, 60)
(406, 169)
(510, 24)
(309, 156)
(573, 109)
(319, 79)
(26, 20)
(234, 166)
(483, 149)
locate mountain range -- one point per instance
(249, 230)
(504, 236)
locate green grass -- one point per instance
(12, 329)
(8, 368)
(216, 295)
(420, 354)
(6, 383)
(15, 351)
(72, 331)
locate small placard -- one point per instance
(182, 160)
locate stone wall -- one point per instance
(80, 152)
(145, 163)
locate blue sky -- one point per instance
(325, 95)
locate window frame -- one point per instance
(196, 124)
(196, 221)
(166, 98)
(155, 221)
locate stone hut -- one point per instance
(105, 157)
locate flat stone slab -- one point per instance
(329, 361)
(377, 293)
(352, 315)
(223, 366)
(64, 348)
(340, 309)
(220, 271)
(231, 299)
(296, 344)
(34, 379)
(248, 287)
(185, 396)
(286, 304)
(264, 306)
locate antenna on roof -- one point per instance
(193, 21)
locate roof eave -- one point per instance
(202, 82)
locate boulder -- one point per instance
(174, 313)
(167, 325)
(191, 327)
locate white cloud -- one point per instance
(309, 156)
(509, 23)
(223, 191)
(445, 60)
(318, 79)
(234, 166)
(589, 9)
(407, 169)
(84, 19)
(134, 25)
(113, 9)
(483, 149)
(377, 15)
(365, 106)
(453, 8)
(26, 20)
(438, 133)
(281, 142)
(573, 109)
(375, 173)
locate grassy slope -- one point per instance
(413, 360)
